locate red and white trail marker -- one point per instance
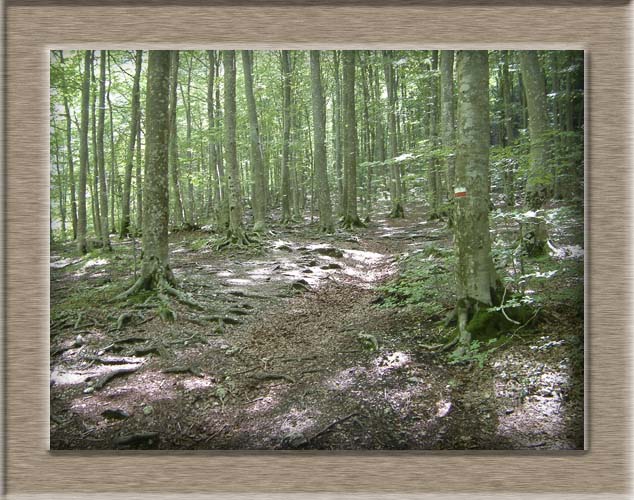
(460, 192)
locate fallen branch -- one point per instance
(113, 374)
(331, 425)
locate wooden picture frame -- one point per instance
(33, 27)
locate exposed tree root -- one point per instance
(239, 239)
(272, 376)
(349, 222)
(99, 384)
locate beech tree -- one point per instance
(155, 267)
(475, 273)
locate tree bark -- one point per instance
(173, 142)
(350, 217)
(286, 110)
(257, 156)
(319, 145)
(69, 153)
(447, 118)
(396, 187)
(134, 126)
(83, 155)
(103, 188)
(233, 170)
(475, 273)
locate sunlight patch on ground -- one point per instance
(344, 379)
(143, 386)
(239, 281)
(57, 263)
(192, 384)
(363, 257)
(94, 263)
(224, 274)
(179, 250)
(296, 420)
(443, 407)
(566, 251)
(538, 412)
(59, 376)
(262, 404)
(391, 361)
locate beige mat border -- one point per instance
(32, 469)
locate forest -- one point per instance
(316, 249)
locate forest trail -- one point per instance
(304, 358)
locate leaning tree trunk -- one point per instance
(134, 124)
(257, 157)
(83, 156)
(350, 216)
(475, 273)
(538, 182)
(155, 268)
(319, 145)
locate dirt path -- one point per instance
(298, 355)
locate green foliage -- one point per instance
(424, 282)
(477, 352)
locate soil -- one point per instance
(295, 349)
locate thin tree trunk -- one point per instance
(257, 157)
(83, 156)
(69, 153)
(103, 188)
(96, 213)
(319, 144)
(396, 187)
(447, 118)
(286, 92)
(134, 127)
(173, 142)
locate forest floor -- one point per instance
(313, 342)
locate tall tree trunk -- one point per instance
(319, 145)
(286, 153)
(337, 134)
(509, 134)
(113, 156)
(96, 213)
(139, 180)
(257, 157)
(134, 127)
(475, 273)
(190, 204)
(69, 153)
(103, 188)
(173, 142)
(83, 155)
(235, 233)
(155, 268)
(434, 168)
(538, 182)
(447, 118)
(396, 187)
(211, 121)
(350, 217)
(61, 191)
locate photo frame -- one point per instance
(33, 27)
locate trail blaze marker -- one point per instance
(460, 192)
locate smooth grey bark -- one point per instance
(139, 180)
(396, 186)
(350, 216)
(509, 134)
(214, 182)
(94, 185)
(539, 176)
(286, 139)
(337, 133)
(155, 266)
(539, 179)
(235, 232)
(319, 145)
(257, 156)
(69, 154)
(475, 273)
(83, 156)
(447, 117)
(177, 209)
(134, 125)
(101, 163)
